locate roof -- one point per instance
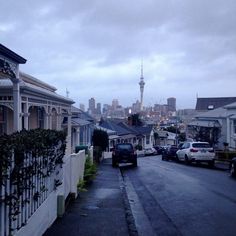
(79, 122)
(144, 130)
(11, 55)
(109, 131)
(217, 113)
(113, 126)
(7, 83)
(205, 104)
(205, 123)
(32, 80)
(86, 116)
(231, 106)
(75, 122)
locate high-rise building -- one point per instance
(141, 85)
(171, 103)
(91, 107)
(82, 107)
(115, 104)
(99, 108)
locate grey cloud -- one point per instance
(87, 43)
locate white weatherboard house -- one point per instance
(223, 119)
(28, 103)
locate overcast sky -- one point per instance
(94, 48)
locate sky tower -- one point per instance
(141, 85)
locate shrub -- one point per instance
(100, 139)
(90, 171)
(139, 147)
(225, 155)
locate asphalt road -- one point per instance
(168, 198)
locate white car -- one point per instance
(150, 151)
(196, 152)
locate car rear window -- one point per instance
(125, 147)
(201, 145)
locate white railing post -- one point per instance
(1, 211)
(91, 154)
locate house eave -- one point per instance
(11, 55)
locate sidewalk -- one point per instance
(221, 165)
(100, 211)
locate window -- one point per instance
(41, 117)
(201, 145)
(2, 120)
(234, 123)
(147, 139)
(124, 147)
(54, 119)
(186, 145)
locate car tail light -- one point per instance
(211, 150)
(193, 150)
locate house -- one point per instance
(82, 128)
(219, 124)
(165, 138)
(137, 135)
(27, 102)
(206, 104)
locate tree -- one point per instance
(135, 120)
(206, 134)
(100, 139)
(156, 136)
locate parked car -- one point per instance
(163, 149)
(158, 149)
(170, 153)
(233, 167)
(150, 151)
(196, 152)
(124, 153)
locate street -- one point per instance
(169, 198)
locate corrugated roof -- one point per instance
(79, 122)
(144, 130)
(204, 104)
(11, 55)
(113, 126)
(32, 80)
(217, 113)
(204, 123)
(6, 83)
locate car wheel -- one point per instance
(186, 160)
(232, 170)
(211, 163)
(135, 163)
(113, 163)
(177, 158)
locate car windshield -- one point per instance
(124, 147)
(201, 145)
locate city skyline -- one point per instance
(94, 48)
(93, 104)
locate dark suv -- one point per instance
(124, 153)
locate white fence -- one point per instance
(35, 217)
